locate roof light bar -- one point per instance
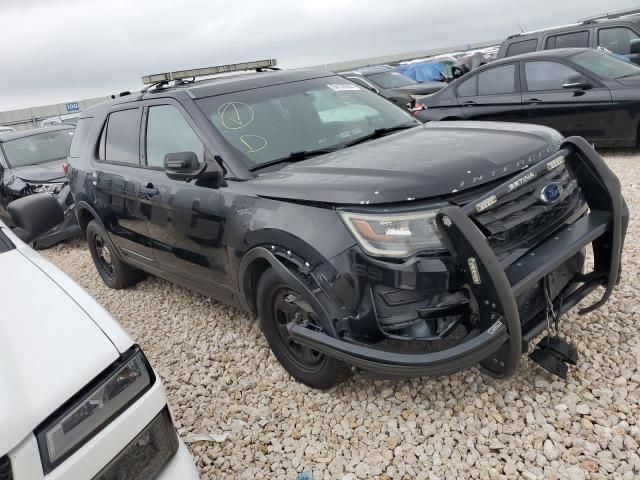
(201, 72)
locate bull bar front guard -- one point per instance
(498, 342)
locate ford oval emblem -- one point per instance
(551, 193)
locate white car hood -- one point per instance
(50, 346)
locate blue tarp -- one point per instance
(428, 71)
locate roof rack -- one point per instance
(614, 14)
(180, 75)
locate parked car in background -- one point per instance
(32, 161)
(395, 86)
(78, 399)
(577, 91)
(434, 70)
(618, 32)
(365, 239)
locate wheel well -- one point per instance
(250, 281)
(84, 217)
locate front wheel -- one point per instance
(278, 304)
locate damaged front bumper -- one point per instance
(498, 335)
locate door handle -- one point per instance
(148, 191)
(468, 103)
(533, 101)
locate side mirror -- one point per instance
(35, 215)
(185, 166)
(577, 82)
(181, 162)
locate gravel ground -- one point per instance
(221, 377)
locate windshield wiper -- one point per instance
(294, 157)
(379, 132)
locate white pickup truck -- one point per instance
(78, 399)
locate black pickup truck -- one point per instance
(359, 236)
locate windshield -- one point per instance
(605, 65)
(38, 148)
(271, 123)
(391, 79)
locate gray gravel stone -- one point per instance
(221, 378)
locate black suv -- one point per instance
(618, 32)
(359, 236)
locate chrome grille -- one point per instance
(520, 217)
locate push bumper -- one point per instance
(499, 339)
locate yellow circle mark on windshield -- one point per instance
(254, 143)
(235, 115)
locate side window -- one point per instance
(524, 46)
(468, 87)
(547, 75)
(80, 135)
(568, 40)
(620, 40)
(169, 132)
(497, 80)
(120, 138)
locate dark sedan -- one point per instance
(577, 91)
(32, 161)
(398, 88)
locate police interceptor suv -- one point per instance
(359, 236)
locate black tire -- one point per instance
(114, 272)
(306, 365)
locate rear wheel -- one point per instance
(278, 304)
(114, 272)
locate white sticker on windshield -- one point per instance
(341, 87)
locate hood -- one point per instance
(420, 88)
(49, 347)
(428, 161)
(44, 172)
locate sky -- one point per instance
(67, 50)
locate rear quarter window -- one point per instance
(80, 135)
(525, 46)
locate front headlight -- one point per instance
(93, 408)
(53, 188)
(394, 235)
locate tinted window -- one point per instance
(497, 80)
(169, 132)
(80, 136)
(525, 46)
(468, 88)
(605, 65)
(37, 149)
(569, 40)
(619, 40)
(547, 75)
(122, 142)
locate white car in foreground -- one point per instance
(78, 399)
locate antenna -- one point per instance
(520, 27)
